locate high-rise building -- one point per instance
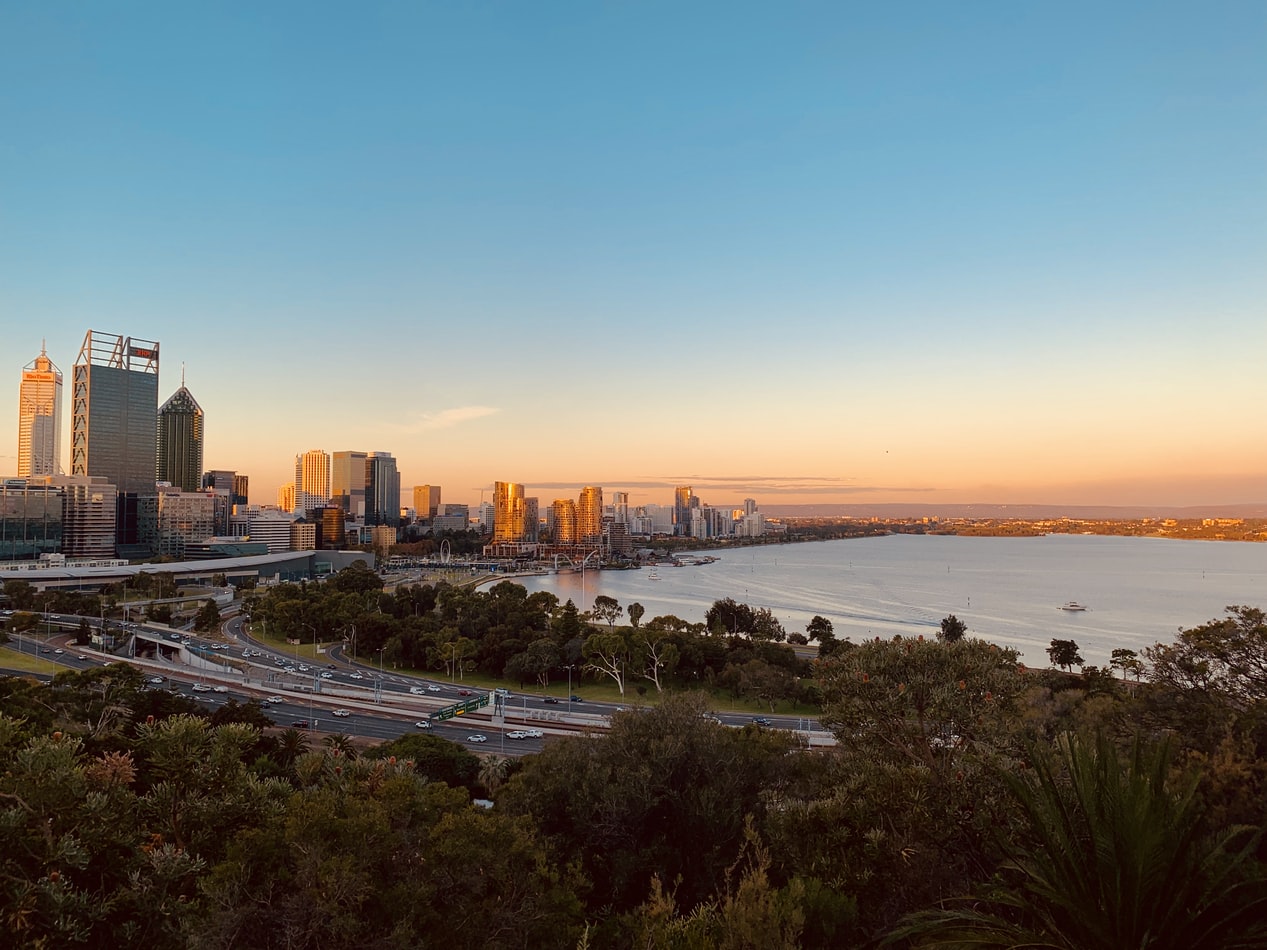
(31, 519)
(114, 411)
(382, 489)
(179, 441)
(286, 497)
(683, 502)
(39, 418)
(426, 501)
(347, 482)
(331, 529)
(589, 515)
(241, 484)
(620, 507)
(508, 511)
(114, 430)
(312, 480)
(563, 526)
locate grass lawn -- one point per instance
(11, 659)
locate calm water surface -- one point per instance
(1007, 590)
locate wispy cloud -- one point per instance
(766, 485)
(445, 419)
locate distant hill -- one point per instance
(1021, 512)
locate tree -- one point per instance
(607, 654)
(20, 593)
(765, 626)
(1126, 661)
(1226, 657)
(1112, 856)
(635, 611)
(606, 609)
(820, 629)
(952, 629)
(208, 616)
(1064, 654)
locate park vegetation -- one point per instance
(968, 801)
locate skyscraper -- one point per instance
(114, 411)
(382, 489)
(589, 515)
(179, 441)
(114, 431)
(312, 480)
(39, 417)
(564, 526)
(426, 501)
(508, 511)
(347, 482)
(683, 502)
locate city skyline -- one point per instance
(815, 255)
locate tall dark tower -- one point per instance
(179, 441)
(114, 423)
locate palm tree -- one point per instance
(493, 771)
(1114, 859)
(341, 743)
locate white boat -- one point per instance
(653, 576)
(1072, 605)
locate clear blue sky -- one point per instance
(991, 252)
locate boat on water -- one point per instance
(1072, 605)
(653, 576)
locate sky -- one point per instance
(923, 252)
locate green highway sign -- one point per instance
(457, 709)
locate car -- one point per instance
(576, 699)
(59, 652)
(330, 666)
(504, 693)
(81, 657)
(432, 688)
(477, 737)
(464, 692)
(357, 676)
(201, 688)
(45, 650)
(299, 724)
(156, 679)
(341, 713)
(535, 733)
(416, 691)
(422, 724)
(327, 675)
(274, 700)
(517, 734)
(553, 700)
(760, 720)
(219, 689)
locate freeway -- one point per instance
(380, 704)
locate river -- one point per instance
(1137, 591)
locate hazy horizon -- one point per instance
(810, 254)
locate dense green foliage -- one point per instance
(968, 802)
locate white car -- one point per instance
(156, 679)
(274, 700)
(534, 733)
(517, 734)
(357, 676)
(220, 689)
(327, 675)
(477, 738)
(433, 688)
(341, 713)
(59, 652)
(422, 724)
(201, 688)
(416, 691)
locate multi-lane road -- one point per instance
(372, 703)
